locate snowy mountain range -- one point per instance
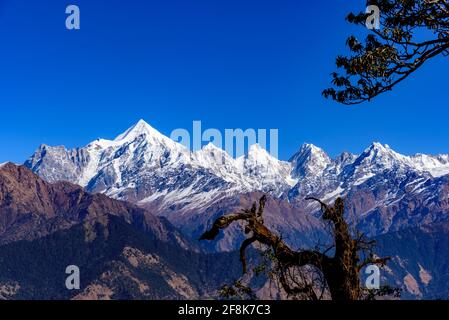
(142, 165)
(384, 188)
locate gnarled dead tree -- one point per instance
(340, 272)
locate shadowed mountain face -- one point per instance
(123, 251)
(297, 226)
(116, 261)
(32, 208)
(419, 261)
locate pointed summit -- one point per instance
(257, 150)
(309, 160)
(256, 155)
(379, 151)
(307, 150)
(378, 157)
(379, 146)
(141, 127)
(211, 154)
(211, 147)
(215, 158)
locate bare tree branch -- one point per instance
(339, 273)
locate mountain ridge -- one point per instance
(147, 168)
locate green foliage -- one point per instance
(237, 291)
(412, 32)
(383, 291)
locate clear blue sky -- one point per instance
(228, 63)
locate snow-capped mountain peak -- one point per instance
(217, 160)
(382, 156)
(211, 147)
(257, 153)
(141, 127)
(309, 160)
(267, 172)
(142, 130)
(256, 156)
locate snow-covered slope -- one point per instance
(437, 166)
(309, 161)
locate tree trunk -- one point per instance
(341, 272)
